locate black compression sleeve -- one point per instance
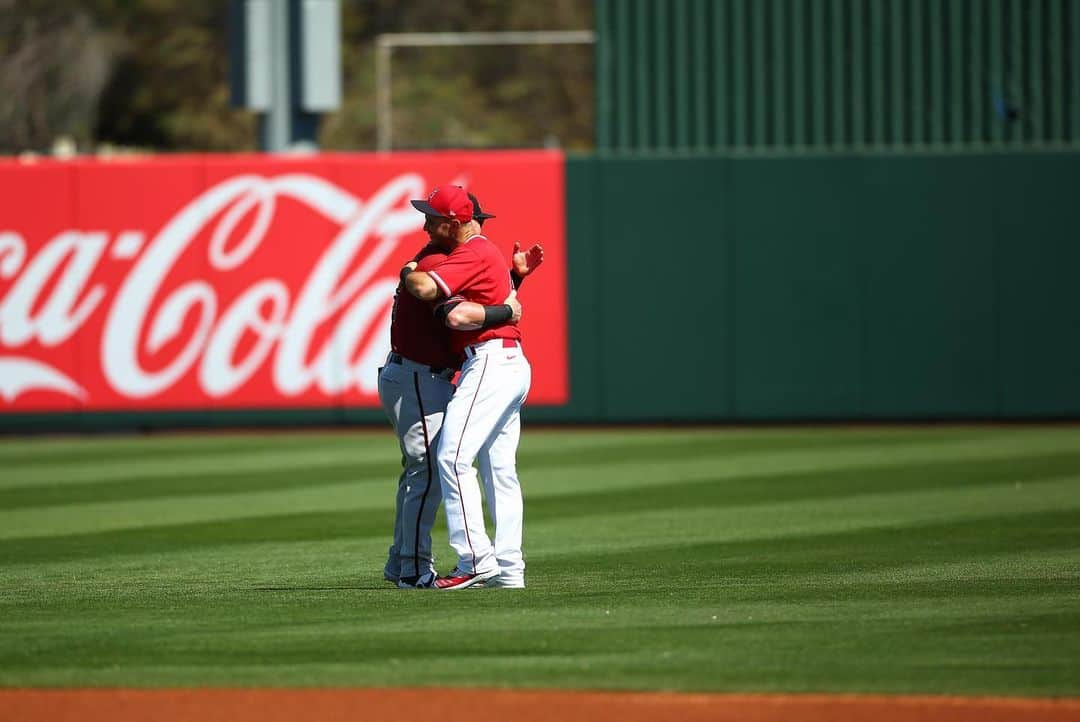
(497, 315)
(443, 310)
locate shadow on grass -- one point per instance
(348, 588)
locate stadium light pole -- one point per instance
(285, 65)
(386, 42)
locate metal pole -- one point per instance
(538, 37)
(279, 117)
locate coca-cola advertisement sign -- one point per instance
(243, 282)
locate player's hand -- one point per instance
(513, 302)
(525, 262)
(404, 273)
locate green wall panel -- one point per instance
(733, 288)
(927, 243)
(1036, 208)
(585, 268)
(797, 316)
(665, 288)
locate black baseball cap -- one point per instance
(478, 215)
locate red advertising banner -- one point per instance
(244, 281)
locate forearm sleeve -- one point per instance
(497, 315)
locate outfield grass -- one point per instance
(913, 560)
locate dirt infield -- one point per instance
(332, 705)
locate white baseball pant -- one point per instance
(483, 420)
(415, 401)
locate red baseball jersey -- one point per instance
(415, 333)
(475, 271)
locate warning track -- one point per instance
(325, 705)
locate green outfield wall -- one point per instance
(859, 287)
(741, 288)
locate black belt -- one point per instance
(396, 358)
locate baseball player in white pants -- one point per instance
(482, 420)
(415, 388)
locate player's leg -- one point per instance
(471, 418)
(392, 568)
(422, 498)
(498, 469)
(402, 404)
(390, 398)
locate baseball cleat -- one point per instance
(424, 581)
(463, 580)
(392, 578)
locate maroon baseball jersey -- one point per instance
(415, 333)
(475, 271)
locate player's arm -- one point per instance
(452, 276)
(418, 286)
(419, 283)
(461, 315)
(523, 263)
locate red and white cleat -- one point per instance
(458, 579)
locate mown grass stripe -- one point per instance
(629, 532)
(183, 466)
(617, 474)
(225, 459)
(647, 529)
(45, 454)
(33, 450)
(536, 467)
(314, 493)
(180, 486)
(798, 485)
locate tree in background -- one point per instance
(169, 89)
(54, 63)
(152, 74)
(471, 96)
